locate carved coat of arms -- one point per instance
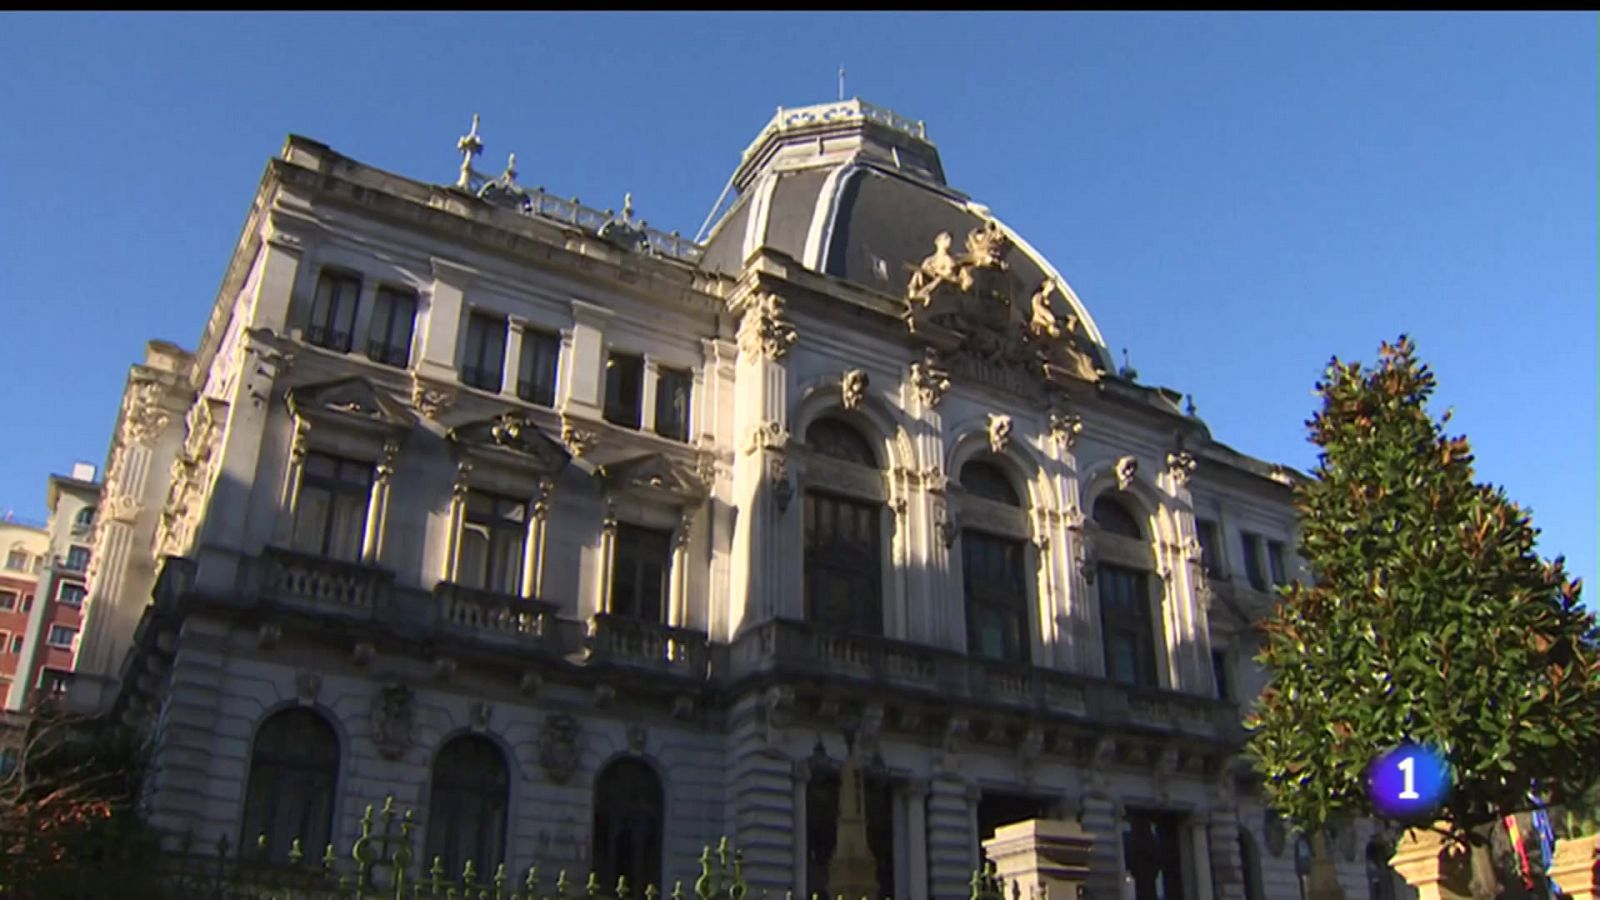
(558, 747)
(393, 715)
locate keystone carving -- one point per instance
(853, 388)
(999, 432)
(1127, 468)
(930, 379)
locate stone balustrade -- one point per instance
(627, 641)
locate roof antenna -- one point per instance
(841, 82)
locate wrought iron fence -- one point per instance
(380, 865)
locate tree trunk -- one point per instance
(1485, 880)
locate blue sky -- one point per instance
(1236, 198)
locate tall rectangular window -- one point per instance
(640, 567)
(393, 318)
(1280, 575)
(71, 593)
(77, 559)
(843, 583)
(16, 643)
(494, 533)
(8, 600)
(1219, 670)
(17, 560)
(1252, 560)
(330, 516)
(536, 374)
(624, 389)
(672, 403)
(61, 636)
(333, 311)
(1126, 626)
(1152, 852)
(997, 597)
(483, 365)
(1210, 547)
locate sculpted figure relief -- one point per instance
(392, 718)
(940, 268)
(558, 747)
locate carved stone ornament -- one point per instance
(145, 419)
(1127, 469)
(478, 715)
(766, 435)
(393, 717)
(558, 747)
(122, 508)
(578, 440)
(853, 388)
(763, 330)
(949, 527)
(306, 686)
(1181, 465)
(430, 400)
(938, 268)
(782, 487)
(999, 432)
(1043, 322)
(638, 734)
(930, 379)
(1065, 428)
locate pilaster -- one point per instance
(586, 363)
(1226, 874)
(511, 371)
(951, 838)
(1098, 816)
(442, 319)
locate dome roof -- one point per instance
(856, 192)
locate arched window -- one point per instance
(843, 575)
(628, 816)
(467, 806)
(294, 768)
(984, 479)
(1380, 879)
(1127, 625)
(837, 440)
(993, 574)
(1249, 866)
(1114, 518)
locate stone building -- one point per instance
(45, 651)
(592, 543)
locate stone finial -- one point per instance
(470, 145)
(510, 174)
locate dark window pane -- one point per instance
(536, 373)
(1113, 518)
(983, 479)
(629, 821)
(1275, 562)
(640, 565)
(1210, 547)
(389, 336)
(997, 597)
(494, 532)
(624, 389)
(1151, 850)
(331, 511)
(483, 366)
(836, 440)
(333, 311)
(294, 766)
(1125, 622)
(1219, 669)
(672, 404)
(1252, 560)
(467, 807)
(844, 583)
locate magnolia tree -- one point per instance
(1430, 619)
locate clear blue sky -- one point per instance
(1235, 197)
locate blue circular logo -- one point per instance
(1409, 782)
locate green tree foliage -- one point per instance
(1430, 618)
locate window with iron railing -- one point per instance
(333, 311)
(484, 359)
(672, 403)
(536, 373)
(393, 318)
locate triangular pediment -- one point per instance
(513, 434)
(347, 399)
(653, 473)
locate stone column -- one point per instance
(533, 550)
(511, 371)
(677, 611)
(378, 503)
(950, 840)
(1044, 859)
(586, 363)
(1576, 868)
(1421, 861)
(1098, 816)
(458, 510)
(1200, 846)
(802, 829)
(608, 551)
(915, 793)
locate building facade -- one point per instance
(50, 638)
(25, 547)
(591, 543)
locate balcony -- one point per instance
(495, 617)
(319, 584)
(636, 643)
